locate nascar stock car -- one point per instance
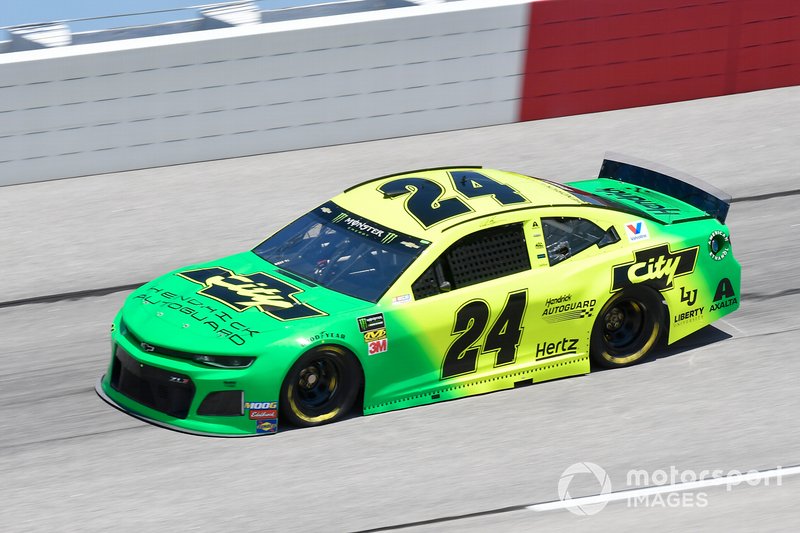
(426, 286)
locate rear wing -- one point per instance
(665, 180)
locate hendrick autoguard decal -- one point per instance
(656, 267)
(261, 291)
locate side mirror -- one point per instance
(611, 236)
(444, 286)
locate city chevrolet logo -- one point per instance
(261, 291)
(656, 267)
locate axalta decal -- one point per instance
(261, 291)
(724, 296)
(656, 267)
(648, 205)
(196, 312)
(562, 308)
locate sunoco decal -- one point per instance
(266, 426)
(261, 291)
(562, 308)
(265, 415)
(656, 267)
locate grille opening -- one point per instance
(222, 403)
(168, 392)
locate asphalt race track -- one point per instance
(724, 399)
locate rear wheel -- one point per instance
(321, 387)
(627, 328)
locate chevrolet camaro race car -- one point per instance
(422, 287)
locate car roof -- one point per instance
(367, 200)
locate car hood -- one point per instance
(235, 305)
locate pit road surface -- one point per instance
(724, 399)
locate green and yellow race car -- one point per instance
(426, 286)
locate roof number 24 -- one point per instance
(425, 202)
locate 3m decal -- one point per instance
(718, 245)
(724, 296)
(370, 322)
(502, 338)
(565, 346)
(379, 346)
(261, 291)
(656, 267)
(637, 231)
(648, 205)
(690, 296)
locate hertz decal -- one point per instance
(656, 267)
(261, 291)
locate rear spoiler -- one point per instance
(665, 180)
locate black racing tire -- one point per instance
(321, 387)
(627, 328)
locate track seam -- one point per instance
(600, 498)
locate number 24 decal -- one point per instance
(503, 337)
(427, 206)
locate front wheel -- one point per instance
(321, 387)
(627, 328)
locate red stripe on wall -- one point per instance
(596, 55)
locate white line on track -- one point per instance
(730, 480)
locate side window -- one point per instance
(565, 237)
(485, 255)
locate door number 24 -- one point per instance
(502, 338)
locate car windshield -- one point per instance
(342, 251)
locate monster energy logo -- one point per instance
(338, 218)
(389, 238)
(371, 322)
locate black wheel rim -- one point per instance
(317, 383)
(623, 325)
